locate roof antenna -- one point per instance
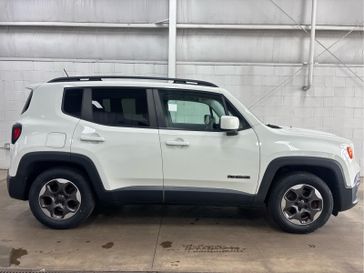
(65, 72)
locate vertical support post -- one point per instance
(172, 36)
(311, 62)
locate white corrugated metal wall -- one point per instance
(253, 48)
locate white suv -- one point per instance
(83, 140)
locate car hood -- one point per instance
(300, 132)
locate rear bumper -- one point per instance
(349, 196)
(17, 187)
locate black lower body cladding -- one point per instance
(33, 164)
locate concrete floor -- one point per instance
(183, 239)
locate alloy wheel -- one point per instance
(59, 199)
(302, 204)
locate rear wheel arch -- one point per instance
(33, 164)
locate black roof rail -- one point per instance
(100, 78)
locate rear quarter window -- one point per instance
(72, 101)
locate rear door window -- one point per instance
(120, 107)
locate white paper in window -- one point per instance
(172, 107)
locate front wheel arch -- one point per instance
(329, 170)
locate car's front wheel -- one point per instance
(300, 203)
(61, 198)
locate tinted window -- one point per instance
(72, 102)
(192, 110)
(120, 107)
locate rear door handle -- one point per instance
(92, 138)
(177, 143)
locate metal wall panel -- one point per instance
(264, 46)
(329, 12)
(192, 45)
(112, 11)
(84, 44)
(241, 46)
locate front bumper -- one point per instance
(349, 196)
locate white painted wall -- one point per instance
(335, 103)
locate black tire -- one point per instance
(82, 210)
(281, 189)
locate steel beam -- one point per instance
(172, 36)
(311, 61)
(164, 25)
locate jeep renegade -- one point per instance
(83, 140)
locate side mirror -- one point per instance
(230, 124)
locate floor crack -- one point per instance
(157, 240)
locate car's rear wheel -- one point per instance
(300, 203)
(61, 198)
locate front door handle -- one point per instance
(177, 142)
(92, 138)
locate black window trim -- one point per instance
(238, 114)
(155, 110)
(85, 114)
(160, 115)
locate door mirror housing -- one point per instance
(229, 124)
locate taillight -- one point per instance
(350, 152)
(15, 132)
